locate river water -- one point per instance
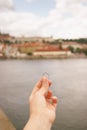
(69, 77)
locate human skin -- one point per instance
(42, 106)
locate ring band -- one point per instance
(45, 74)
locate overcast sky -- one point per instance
(57, 18)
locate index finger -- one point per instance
(45, 86)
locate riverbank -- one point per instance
(5, 123)
(48, 57)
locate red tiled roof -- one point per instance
(4, 37)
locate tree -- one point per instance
(78, 50)
(71, 49)
(30, 53)
(85, 51)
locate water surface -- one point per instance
(69, 77)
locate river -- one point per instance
(69, 78)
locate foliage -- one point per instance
(85, 51)
(4, 34)
(80, 40)
(7, 42)
(30, 53)
(78, 50)
(71, 49)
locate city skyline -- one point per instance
(57, 18)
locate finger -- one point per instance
(37, 86)
(49, 94)
(50, 82)
(45, 86)
(54, 101)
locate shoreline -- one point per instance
(46, 57)
(5, 123)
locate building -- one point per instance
(10, 51)
(6, 37)
(52, 51)
(34, 39)
(1, 49)
(84, 46)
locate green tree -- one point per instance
(85, 51)
(30, 53)
(71, 49)
(7, 42)
(78, 50)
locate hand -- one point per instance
(42, 102)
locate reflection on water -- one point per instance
(69, 77)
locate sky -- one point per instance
(57, 18)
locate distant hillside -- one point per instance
(4, 34)
(80, 40)
(6, 38)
